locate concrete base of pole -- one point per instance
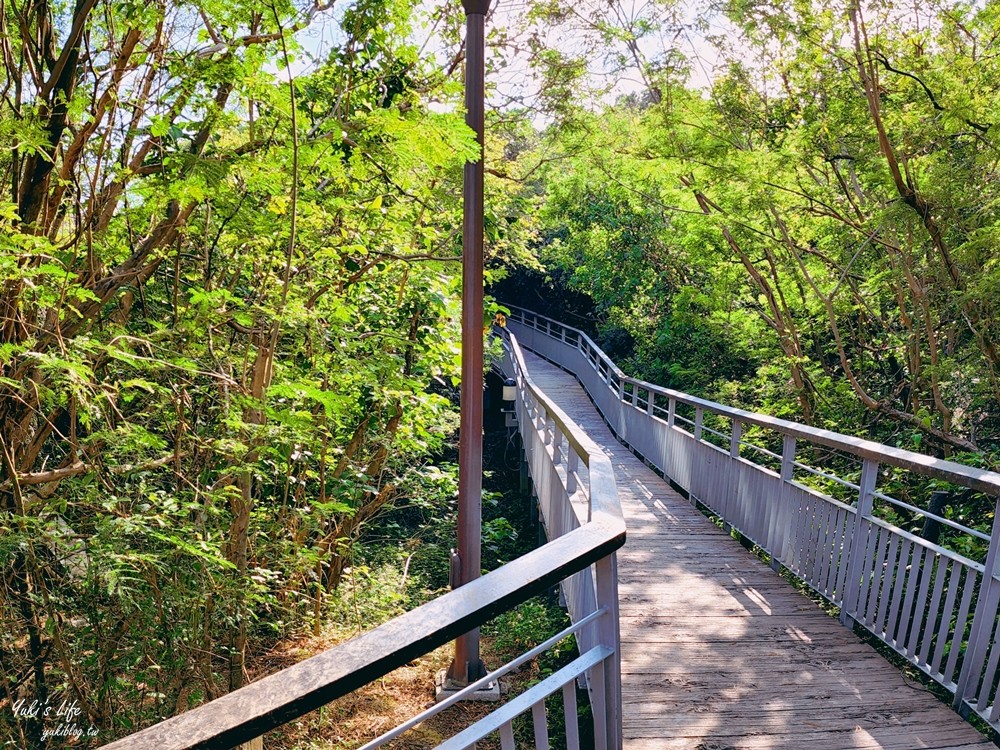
(445, 688)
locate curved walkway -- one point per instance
(721, 653)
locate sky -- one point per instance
(690, 34)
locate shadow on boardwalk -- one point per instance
(720, 653)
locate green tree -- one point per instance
(228, 295)
(823, 211)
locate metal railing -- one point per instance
(832, 509)
(578, 501)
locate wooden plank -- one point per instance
(787, 680)
(855, 738)
(704, 630)
(732, 699)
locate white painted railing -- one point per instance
(573, 480)
(825, 506)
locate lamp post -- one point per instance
(466, 563)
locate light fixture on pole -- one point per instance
(509, 406)
(509, 393)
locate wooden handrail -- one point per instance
(969, 476)
(289, 694)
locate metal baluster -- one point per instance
(570, 716)
(954, 578)
(507, 737)
(540, 726)
(572, 462)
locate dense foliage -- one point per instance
(813, 234)
(229, 330)
(228, 294)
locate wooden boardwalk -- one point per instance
(721, 653)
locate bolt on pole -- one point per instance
(467, 666)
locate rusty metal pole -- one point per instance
(467, 666)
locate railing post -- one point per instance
(734, 440)
(671, 411)
(557, 439)
(982, 621)
(788, 458)
(606, 575)
(699, 417)
(866, 500)
(650, 402)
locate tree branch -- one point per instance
(930, 94)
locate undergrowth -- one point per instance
(406, 569)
